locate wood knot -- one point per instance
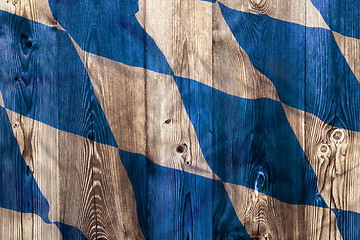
(324, 149)
(338, 136)
(182, 148)
(26, 43)
(260, 180)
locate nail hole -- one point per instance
(188, 162)
(181, 148)
(167, 121)
(16, 124)
(16, 78)
(338, 135)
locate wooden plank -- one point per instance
(300, 12)
(146, 122)
(267, 218)
(334, 155)
(84, 181)
(350, 49)
(157, 128)
(19, 226)
(209, 58)
(239, 82)
(25, 74)
(280, 10)
(182, 31)
(165, 40)
(36, 10)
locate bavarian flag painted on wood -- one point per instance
(191, 119)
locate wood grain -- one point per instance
(18, 226)
(36, 10)
(84, 181)
(182, 31)
(151, 118)
(350, 49)
(202, 49)
(267, 218)
(334, 156)
(300, 12)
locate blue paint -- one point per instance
(342, 16)
(348, 224)
(305, 65)
(111, 31)
(42, 77)
(69, 232)
(250, 143)
(18, 189)
(173, 204)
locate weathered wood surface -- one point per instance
(92, 193)
(89, 187)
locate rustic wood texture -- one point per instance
(300, 12)
(263, 217)
(350, 48)
(15, 225)
(334, 154)
(38, 11)
(145, 121)
(86, 183)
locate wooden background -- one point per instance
(85, 181)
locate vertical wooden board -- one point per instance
(15, 225)
(21, 226)
(38, 11)
(151, 118)
(232, 70)
(264, 217)
(318, 94)
(290, 11)
(198, 44)
(227, 69)
(350, 49)
(182, 30)
(84, 181)
(333, 153)
(338, 148)
(152, 121)
(38, 68)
